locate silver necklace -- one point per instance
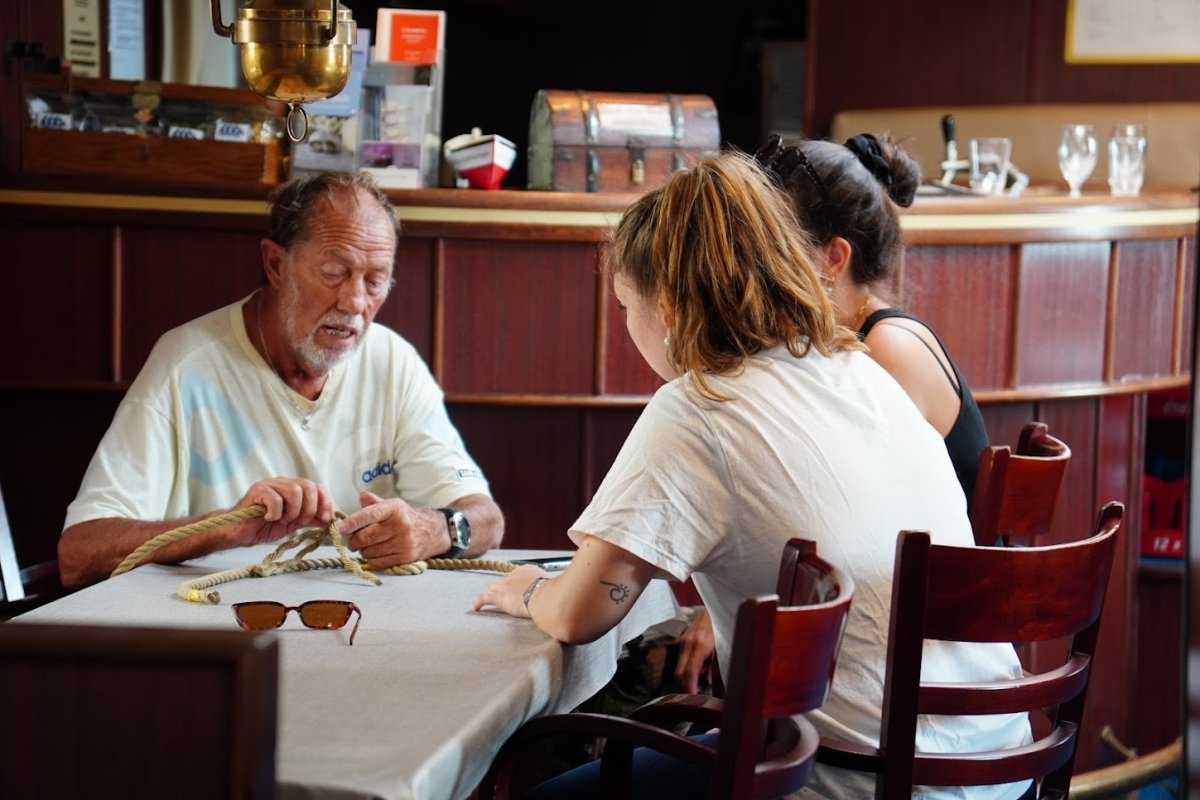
(287, 390)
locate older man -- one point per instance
(293, 400)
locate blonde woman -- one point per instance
(773, 423)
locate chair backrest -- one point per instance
(106, 712)
(781, 664)
(1003, 594)
(1016, 494)
(11, 588)
(23, 588)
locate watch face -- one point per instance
(460, 529)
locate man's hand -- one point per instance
(291, 503)
(695, 652)
(391, 532)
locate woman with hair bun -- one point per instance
(772, 423)
(846, 197)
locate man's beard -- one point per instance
(313, 357)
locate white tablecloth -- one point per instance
(419, 705)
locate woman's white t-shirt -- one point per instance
(826, 448)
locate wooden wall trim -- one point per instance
(600, 343)
(1110, 309)
(1016, 270)
(983, 397)
(116, 344)
(1094, 223)
(438, 334)
(133, 202)
(1179, 335)
(579, 217)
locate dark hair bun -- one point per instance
(905, 171)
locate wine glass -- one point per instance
(1077, 155)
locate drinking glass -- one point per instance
(1126, 160)
(988, 159)
(1077, 155)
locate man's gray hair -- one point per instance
(293, 202)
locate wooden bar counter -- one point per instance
(1067, 311)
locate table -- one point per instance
(421, 702)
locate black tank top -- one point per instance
(968, 436)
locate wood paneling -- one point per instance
(625, 371)
(1004, 421)
(531, 457)
(1062, 295)
(47, 444)
(1187, 311)
(1158, 703)
(1143, 334)
(526, 328)
(1074, 422)
(408, 309)
(60, 302)
(966, 293)
(172, 276)
(1052, 80)
(605, 431)
(1118, 456)
(34, 21)
(860, 55)
(970, 53)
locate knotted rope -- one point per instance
(307, 539)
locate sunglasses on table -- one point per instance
(264, 615)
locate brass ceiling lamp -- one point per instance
(296, 51)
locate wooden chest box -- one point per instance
(616, 142)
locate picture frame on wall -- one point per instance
(1132, 32)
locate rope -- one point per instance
(307, 540)
(131, 560)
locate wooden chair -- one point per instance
(977, 594)
(1016, 494)
(781, 666)
(104, 712)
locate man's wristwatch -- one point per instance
(460, 532)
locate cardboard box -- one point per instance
(1164, 517)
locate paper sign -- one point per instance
(81, 36)
(410, 36)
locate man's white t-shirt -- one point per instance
(207, 417)
(829, 449)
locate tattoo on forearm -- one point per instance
(619, 592)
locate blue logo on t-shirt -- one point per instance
(230, 430)
(382, 468)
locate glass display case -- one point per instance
(152, 131)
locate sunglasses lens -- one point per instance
(260, 616)
(324, 613)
